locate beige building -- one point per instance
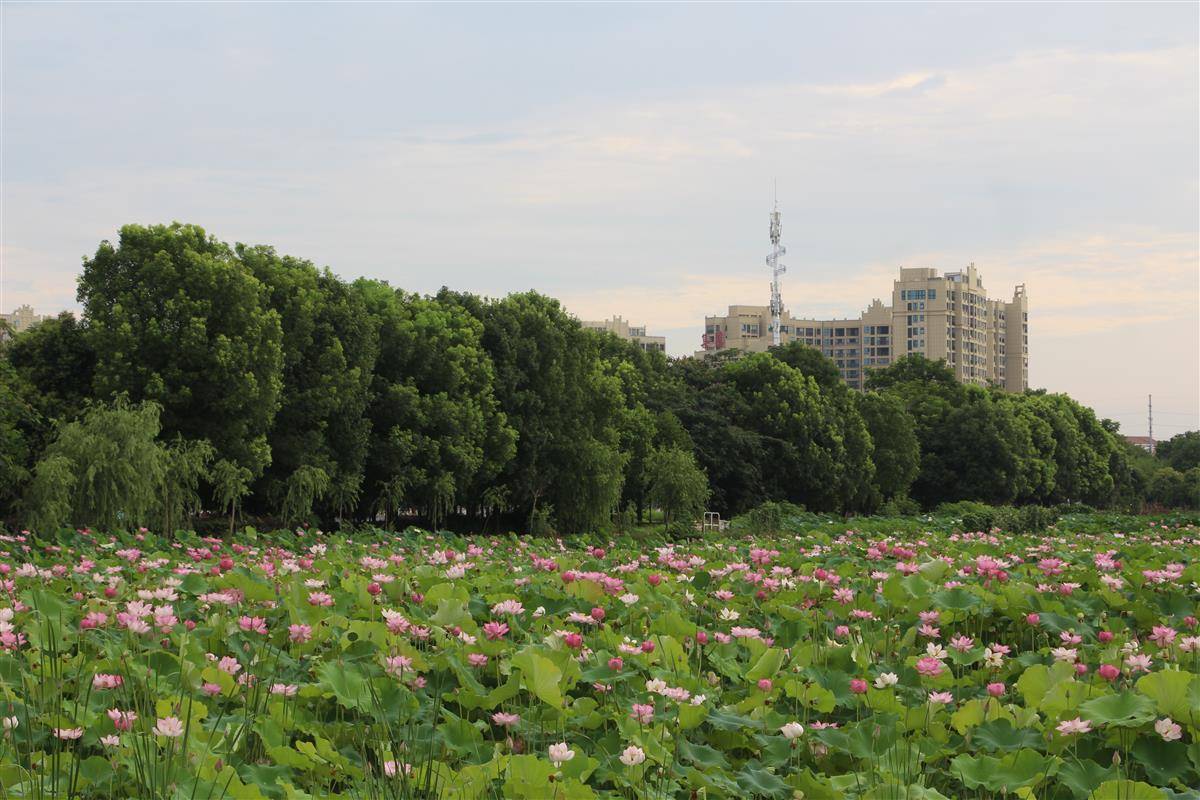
(943, 317)
(630, 333)
(22, 319)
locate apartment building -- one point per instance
(22, 319)
(943, 317)
(630, 333)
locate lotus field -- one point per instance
(901, 664)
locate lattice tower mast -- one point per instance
(777, 269)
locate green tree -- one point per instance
(231, 483)
(306, 487)
(804, 459)
(644, 422)
(19, 423)
(329, 347)
(440, 438)
(175, 319)
(1175, 489)
(554, 390)
(105, 470)
(56, 359)
(677, 484)
(184, 466)
(856, 484)
(1181, 452)
(897, 452)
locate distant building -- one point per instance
(946, 318)
(637, 335)
(1144, 442)
(22, 319)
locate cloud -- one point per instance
(1070, 171)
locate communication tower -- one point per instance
(777, 269)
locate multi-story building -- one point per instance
(22, 319)
(948, 318)
(630, 333)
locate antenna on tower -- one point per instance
(777, 269)
(1150, 421)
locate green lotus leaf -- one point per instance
(1176, 693)
(1163, 761)
(1126, 710)
(1082, 776)
(1127, 790)
(541, 676)
(758, 782)
(1000, 734)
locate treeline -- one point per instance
(210, 379)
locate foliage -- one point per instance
(677, 485)
(898, 659)
(107, 468)
(475, 413)
(176, 319)
(1181, 452)
(329, 348)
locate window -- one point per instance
(933, 294)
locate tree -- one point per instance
(175, 319)
(856, 489)
(105, 470)
(19, 423)
(56, 359)
(897, 453)
(440, 438)
(230, 483)
(1181, 452)
(184, 465)
(305, 487)
(1174, 489)
(677, 484)
(552, 387)
(329, 346)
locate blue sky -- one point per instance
(622, 157)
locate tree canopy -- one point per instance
(217, 380)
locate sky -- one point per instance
(625, 158)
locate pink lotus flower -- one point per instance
(929, 666)
(122, 720)
(858, 686)
(1071, 727)
(494, 630)
(299, 633)
(170, 727)
(1162, 635)
(940, 698)
(644, 714)
(505, 720)
(253, 624)
(765, 685)
(995, 689)
(103, 681)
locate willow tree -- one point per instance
(106, 470)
